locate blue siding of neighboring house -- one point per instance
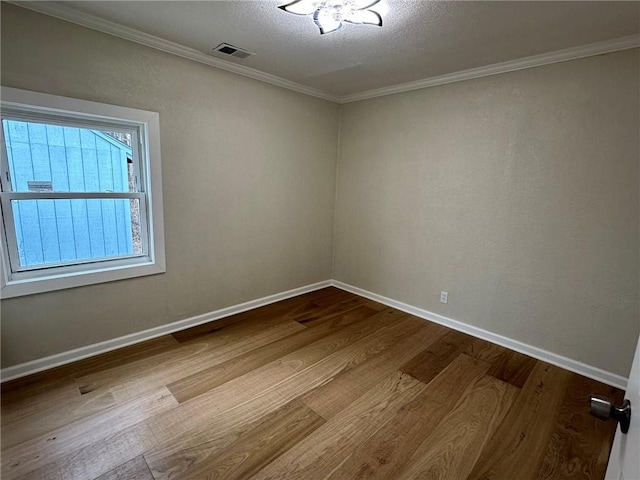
(73, 160)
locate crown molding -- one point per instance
(63, 12)
(558, 56)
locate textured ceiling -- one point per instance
(418, 39)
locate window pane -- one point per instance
(51, 232)
(54, 158)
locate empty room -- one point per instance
(320, 239)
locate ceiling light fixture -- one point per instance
(328, 15)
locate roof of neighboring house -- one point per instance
(113, 141)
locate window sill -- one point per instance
(22, 287)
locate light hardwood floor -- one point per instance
(327, 385)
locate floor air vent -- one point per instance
(226, 49)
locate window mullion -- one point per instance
(70, 195)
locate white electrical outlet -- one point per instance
(444, 297)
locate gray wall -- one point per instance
(248, 179)
(516, 193)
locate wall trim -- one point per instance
(535, 352)
(63, 12)
(59, 359)
(592, 49)
(46, 363)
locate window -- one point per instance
(81, 193)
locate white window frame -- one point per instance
(53, 109)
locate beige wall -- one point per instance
(516, 193)
(249, 184)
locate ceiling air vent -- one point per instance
(226, 49)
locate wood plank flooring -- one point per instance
(327, 385)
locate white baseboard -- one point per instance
(35, 366)
(535, 352)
